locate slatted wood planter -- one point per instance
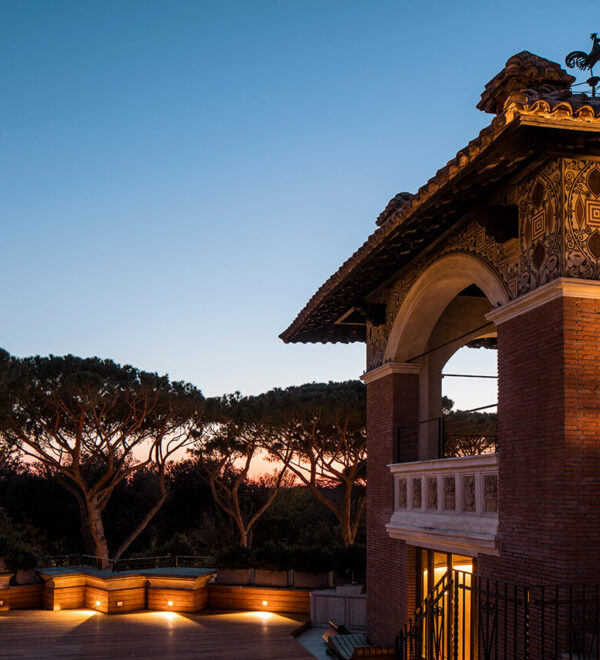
(177, 600)
(177, 594)
(114, 594)
(25, 597)
(65, 592)
(125, 592)
(113, 601)
(224, 597)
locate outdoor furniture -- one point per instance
(335, 628)
(356, 645)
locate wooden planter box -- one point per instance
(266, 578)
(307, 580)
(235, 575)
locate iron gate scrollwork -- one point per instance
(472, 617)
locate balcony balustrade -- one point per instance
(448, 504)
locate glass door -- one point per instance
(438, 624)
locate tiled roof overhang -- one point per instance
(533, 126)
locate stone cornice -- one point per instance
(562, 287)
(391, 368)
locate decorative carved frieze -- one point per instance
(559, 236)
(459, 511)
(538, 200)
(401, 494)
(449, 493)
(490, 493)
(582, 218)
(432, 494)
(416, 501)
(468, 489)
(471, 238)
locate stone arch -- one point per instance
(430, 295)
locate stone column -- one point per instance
(392, 436)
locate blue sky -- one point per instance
(179, 177)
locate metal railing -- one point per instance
(472, 617)
(459, 433)
(129, 564)
(75, 559)
(469, 432)
(166, 561)
(423, 635)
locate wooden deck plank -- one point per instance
(76, 634)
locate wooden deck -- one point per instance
(209, 635)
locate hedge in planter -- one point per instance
(234, 566)
(272, 562)
(311, 564)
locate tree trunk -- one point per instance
(95, 527)
(141, 526)
(244, 535)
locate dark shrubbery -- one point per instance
(235, 556)
(347, 561)
(273, 556)
(14, 549)
(17, 554)
(307, 533)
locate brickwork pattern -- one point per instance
(549, 445)
(392, 402)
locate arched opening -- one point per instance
(444, 311)
(470, 385)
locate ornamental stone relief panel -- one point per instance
(537, 198)
(533, 259)
(582, 218)
(471, 238)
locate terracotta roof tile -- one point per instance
(529, 88)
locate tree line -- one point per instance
(101, 431)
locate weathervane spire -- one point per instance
(583, 61)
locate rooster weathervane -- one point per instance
(583, 61)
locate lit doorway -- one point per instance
(435, 586)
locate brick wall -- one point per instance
(392, 402)
(549, 444)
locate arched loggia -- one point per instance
(434, 321)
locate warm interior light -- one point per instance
(170, 603)
(265, 603)
(98, 603)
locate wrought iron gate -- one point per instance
(473, 617)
